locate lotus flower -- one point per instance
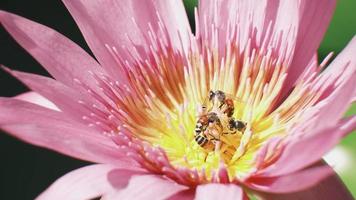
(137, 109)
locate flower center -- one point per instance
(216, 128)
(204, 110)
(217, 131)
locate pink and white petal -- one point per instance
(175, 19)
(268, 152)
(297, 181)
(327, 112)
(329, 189)
(349, 125)
(65, 98)
(333, 78)
(85, 183)
(312, 69)
(219, 191)
(124, 24)
(339, 71)
(53, 130)
(285, 26)
(34, 97)
(18, 111)
(141, 187)
(302, 152)
(62, 58)
(225, 15)
(319, 132)
(266, 19)
(183, 195)
(314, 18)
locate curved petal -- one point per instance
(336, 87)
(318, 131)
(63, 59)
(330, 110)
(64, 97)
(338, 72)
(263, 23)
(85, 183)
(315, 16)
(297, 181)
(183, 195)
(34, 97)
(143, 187)
(294, 29)
(305, 151)
(219, 191)
(53, 130)
(125, 24)
(329, 189)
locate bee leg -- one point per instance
(229, 132)
(231, 112)
(232, 132)
(211, 95)
(206, 156)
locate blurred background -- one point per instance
(25, 170)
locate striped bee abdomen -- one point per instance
(201, 139)
(198, 128)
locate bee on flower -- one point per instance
(239, 107)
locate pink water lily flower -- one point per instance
(240, 107)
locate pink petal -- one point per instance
(319, 130)
(349, 125)
(268, 19)
(63, 59)
(14, 111)
(331, 188)
(339, 71)
(297, 181)
(75, 103)
(304, 151)
(183, 195)
(329, 110)
(65, 98)
(53, 130)
(84, 183)
(143, 187)
(122, 24)
(34, 97)
(219, 191)
(314, 19)
(225, 14)
(312, 69)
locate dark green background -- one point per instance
(26, 170)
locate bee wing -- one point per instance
(235, 98)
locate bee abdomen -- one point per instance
(201, 140)
(198, 128)
(238, 125)
(241, 126)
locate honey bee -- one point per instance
(217, 120)
(203, 127)
(237, 125)
(223, 101)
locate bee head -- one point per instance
(211, 95)
(221, 95)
